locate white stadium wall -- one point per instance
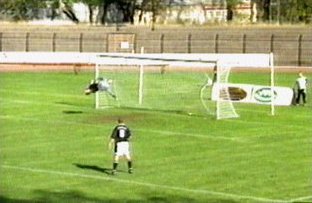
(235, 60)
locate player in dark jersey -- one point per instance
(120, 140)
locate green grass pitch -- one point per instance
(53, 147)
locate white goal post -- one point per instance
(224, 63)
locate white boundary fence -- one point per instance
(191, 60)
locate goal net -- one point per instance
(224, 100)
(157, 85)
(195, 84)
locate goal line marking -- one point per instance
(145, 184)
(162, 132)
(302, 199)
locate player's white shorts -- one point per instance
(122, 149)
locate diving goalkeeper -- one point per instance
(102, 85)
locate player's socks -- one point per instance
(114, 168)
(115, 165)
(129, 167)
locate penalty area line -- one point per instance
(144, 184)
(172, 133)
(302, 199)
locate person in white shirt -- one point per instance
(301, 86)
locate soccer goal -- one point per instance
(195, 84)
(159, 82)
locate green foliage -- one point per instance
(20, 9)
(297, 11)
(290, 10)
(233, 3)
(92, 2)
(293, 11)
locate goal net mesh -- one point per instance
(225, 108)
(158, 88)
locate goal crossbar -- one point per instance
(194, 60)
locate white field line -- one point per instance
(192, 135)
(145, 184)
(267, 112)
(264, 112)
(135, 130)
(302, 199)
(153, 131)
(82, 96)
(12, 102)
(263, 124)
(161, 132)
(50, 121)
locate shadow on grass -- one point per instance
(178, 112)
(72, 112)
(79, 197)
(94, 168)
(11, 200)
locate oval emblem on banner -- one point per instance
(237, 93)
(264, 95)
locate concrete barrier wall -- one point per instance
(131, 59)
(291, 46)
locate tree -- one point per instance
(292, 11)
(104, 9)
(153, 6)
(66, 8)
(92, 5)
(230, 6)
(28, 9)
(128, 10)
(266, 10)
(297, 11)
(125, 7)
(305, 11)
(21, 9)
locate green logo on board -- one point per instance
(264, 95)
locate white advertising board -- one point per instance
(247, 93)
